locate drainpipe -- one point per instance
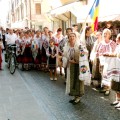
(70, 19)
(30, 13)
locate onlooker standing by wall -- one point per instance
(1, 48)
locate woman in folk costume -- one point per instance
(105, 47)
(95, 60)
(19, 47)
(58, 37)
(52, 54)
(26, 50)
(115, 85)
(36, 51)
(45, 43)
(89, 41)
(74, 86)
(1, 48)
(50, 35)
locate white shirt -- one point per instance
(11, 38)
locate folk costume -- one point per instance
(105, 48)
(96, 75)
(84, 70)
(115, 72)
(89, 41)
(74, 86)
(58, 39)
(45, 44)
(26, 51)
(51, 61)
(36, 51)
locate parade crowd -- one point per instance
(92, 57)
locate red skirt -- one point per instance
(0, 59)
(27, 55)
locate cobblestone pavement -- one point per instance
(30, 95)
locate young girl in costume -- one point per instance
(52, 53)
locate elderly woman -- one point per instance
(105, 48)
(74, 86)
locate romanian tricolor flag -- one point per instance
(94, 11)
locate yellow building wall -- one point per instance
(67, 1)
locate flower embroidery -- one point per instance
(83, 69)
(82, 53)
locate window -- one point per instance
(12, 7)
(38, 8)
(22, 11)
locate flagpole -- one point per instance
(82, 31)
(87, 18)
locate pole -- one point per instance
(82, 31)
(87, 18)
(30, 13)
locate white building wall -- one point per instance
(30, 19)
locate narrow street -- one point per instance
(30, 95)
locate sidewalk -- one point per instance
(16, 101)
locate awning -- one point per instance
(108, 10)
(64, 9)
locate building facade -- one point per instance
(28, 13)
(37, 14)
(63, 15)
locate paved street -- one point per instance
(30, 95)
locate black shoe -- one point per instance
(102, 90)
(71, 101)
(118, 105)
(114, 103)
